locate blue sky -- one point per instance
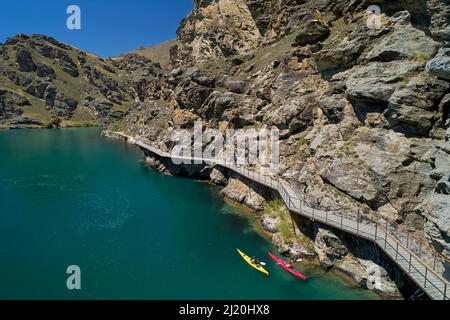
(108, 27)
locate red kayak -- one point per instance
(285, 267)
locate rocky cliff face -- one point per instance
(45, 82)
(363, 112)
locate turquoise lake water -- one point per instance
(71, 197)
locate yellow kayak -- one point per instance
(249, 261)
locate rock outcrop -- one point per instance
(333, 254)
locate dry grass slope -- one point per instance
(157, 54)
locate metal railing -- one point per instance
(406, 249)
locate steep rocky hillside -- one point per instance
(363, 113)
(45, 83)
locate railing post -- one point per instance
(420, 249)
(326, 215)
(434, 263)
(376, 231)
(342, 220)
(426, 276)
(445, 291)
(293, 224)
(407, 241)
(385, 235)
(313, 214)
(410, 262)
(396, 252)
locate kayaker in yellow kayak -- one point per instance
(255, 263)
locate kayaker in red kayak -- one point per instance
(287, 266)
(290, 264)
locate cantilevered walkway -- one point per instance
(409, 253)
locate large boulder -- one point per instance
(440, 64)
(270, 223)
(329, 248)
(370, 87)
(377, 81)
(333, 254)
(217, 177)
(413, 109)
(378, 279)
(351, 268)
(353, 178)
(291, 115)
(401, 166)
(406, 42)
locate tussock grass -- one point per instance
(418, 57)
(278, 208)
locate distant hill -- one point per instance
(157, 54)
(44, 82)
